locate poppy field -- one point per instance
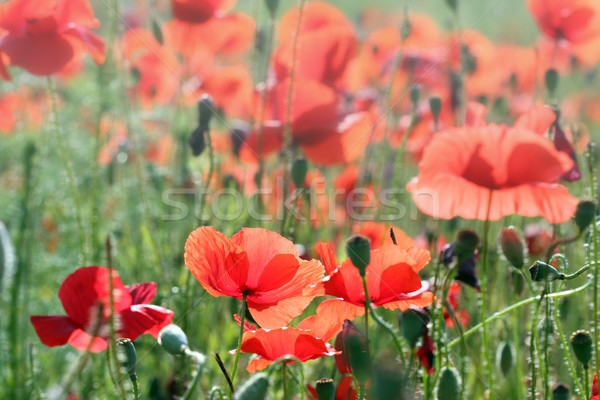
(299, 199)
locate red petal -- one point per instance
(39, 55)
(326, 253)
(81, 340)
(537, 119)
(89, 287)
(142, 319)
(142, 293)
(53, 330)
(330, 318)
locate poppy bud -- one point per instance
(196, 141)
(415, 94)
(453, 4)
(512, 247)
(540, 272)
(359, 358)
(127, 355)
(325, 389)
(157, 32)
(358, 248)
(254, 388)
(551, 79)
(239, 133)
(342, 360)
(466, 244)
(505, 358)
(581, 342)
(449, 385)
(173, 339)
(585, 214)
(272, 6)
(206, 110)
(299, 170)
(405, 28)
(413, 323)
(561, 391)
(435, 105)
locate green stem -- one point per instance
(586, 382)
(63, 151)
(239, 346)
(136, 387)
(388, 327)
(284, 379)
(514, 307)
(484, 261)
(200, 359)
(367, 307)
(596, 265)
(361, 393)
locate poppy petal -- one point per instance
(53, 330)
(142, 293)
(329, 318)
(80, 339)
(538, 119)
(39, 55)
(143, 319)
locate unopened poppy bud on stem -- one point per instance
(173, 339)
(551, 78)
(505, 358)
(206, 110)
(254, 388)
(325, 389)
(448, 385)
(561, 391)
(466, 244)
(358, 248)
(299, 170)
(413, 323)
(415, 94)
(512, 247)
(272, 6)
(540, 272)
(581, 342)
(127, 355)
(585, 214)
(435, 105)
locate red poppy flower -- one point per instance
(379, 234)
(85, 295)
(258, 262)
(45, 35)
(199, 11)
(273, 344)
(574, 22)
(392, 280)
(462, 167)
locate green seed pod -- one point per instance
(325, 389)
(561, 391)
(299, 170)
(127, 355)
(449, 385)
(551, 78)
(585, 214)
(358, 248)
(173, 339)
(272, 6)
(254, 388)
(435, 105)
(466, 244)
(581, 342)
(413, 323)
(540, 272)
(505, 358)
(512, 247)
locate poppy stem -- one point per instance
(239, 346)
(284, 378)
(391, 331)
(590, 160)
(200, 360)
(484, 261)
(63, 151)
(367, 307)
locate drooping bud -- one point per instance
(254, 388)
(540, 272)
(127, 355)
(505, 358)
(272, 6)
(581, 342)
(449, 385)
(413, 323)
(585, 214)
(342, 360)
(551, 78)
(561, 391)
(358, 248)
(512, 247)
(435, 105)
(299, 170)
(173, 339)
(325, 389)
(197, 142)
(206, 110)
(466, 244)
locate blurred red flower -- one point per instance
(199, 11)
(85, 295)
(258, 262)
(43, 36)
(273, 344)
(517, 166)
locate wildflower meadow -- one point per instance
(299, 199)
